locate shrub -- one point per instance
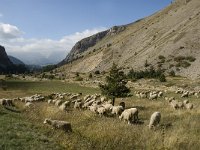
(185, 64)
(162, 78)
(90, 75)
(79, 78)
(97, 72)
(179, 58)
(190, 58)
(172, 73)
(161, 57)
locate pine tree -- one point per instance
(115, 84)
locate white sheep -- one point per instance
(185, 94)
(154, 120)
(174, 104)
(129, 115)
(101, 110)
(107, 107)
(153, 96)
(58, 103)
(64, 105)
(117, 110)
(188, 106)
(66, 126)
(29, 105)
(78, 105)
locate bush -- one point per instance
(179, 58)
(79, 78)
(150, 73)
(97, 72)
(172, 73)
(90, 75)
(161, 57)
(190, 58)
(162, 78)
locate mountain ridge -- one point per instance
(171, 33)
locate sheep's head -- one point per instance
(46, 121)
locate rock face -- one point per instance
(88, 42)
(168, 39)
(4, 60)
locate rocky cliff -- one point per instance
(4, 60)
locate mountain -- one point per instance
(4, 60)
(6, 65)
(167, 39)
(15, 60)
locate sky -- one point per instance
(50, 28)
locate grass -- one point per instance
(24, 129)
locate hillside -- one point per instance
(15, 60)
(4, 60)
(167, 39)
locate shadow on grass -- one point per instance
(12, 109)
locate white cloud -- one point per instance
(8, 31)
(16, 45)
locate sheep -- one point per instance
(64, 105)
(185, 94)
(185, 102)
(6, 102)
(117, 110)
(78, 105)
(174, 104)
(94, 108)
(180, 105)
(58, 102)
(188, 106)
(143, 95)
(107, 107)
(129, 114)
(154, 120)
(101, 110)
(29, 105)
(153, 96)
(49, 101)
(57, 124)
(160, 94)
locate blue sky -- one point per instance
(54, 20)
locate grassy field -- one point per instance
(24, 129)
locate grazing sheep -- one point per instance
(78, 105)
(93, 108)
(107, 107)
(153, 96)
(129, 115)
(29, 105)
(49, 101)
(185, 94)
(185, 102)
(180, 105)
(173, 104)
(66, 126)
(154, 120)
(188, 106)
(143, 95)
(160, 94)
(64, 105)
(58, 103)
(101, 110)
(6, 102)
(117, 110)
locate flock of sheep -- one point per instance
(101, 105)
